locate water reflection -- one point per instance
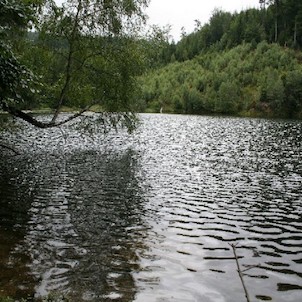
(150, 217)
(81, 220)
(217, 181)
(86, 226)
(15, 198)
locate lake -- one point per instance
(150, 216)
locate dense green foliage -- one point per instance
(103, 72)
(243, 63)
(82, 54)
(263, 79)
(14, 76)
(88, 53)
(278, 22)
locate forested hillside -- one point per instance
(278, 21)
(246, 63)
(265, 79)
(243, 63)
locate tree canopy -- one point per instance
(246, 63)
(79, 54)
(275, 22)
(250, 79)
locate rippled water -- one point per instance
(151, 216)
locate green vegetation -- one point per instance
(87, 54)
(246, 63)
(278, 21)
(265, 79)
(6, 299)
(82, 54)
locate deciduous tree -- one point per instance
(97, 50)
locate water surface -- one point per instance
(151, 216)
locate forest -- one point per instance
(246, 63)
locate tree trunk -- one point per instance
(31, 120)
(295, 33)
(69, 62)
(276, 29)
(276, 20)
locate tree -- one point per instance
(262, 4)
(276, 7)
(156, 46)
(293, 92)
(219, 24)
(293, 19)
(99, 53)
(14, 77)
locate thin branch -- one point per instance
(250, 267)
(71, 117)
(9, 148)
(69, 63)
(240, 273)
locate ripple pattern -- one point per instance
(220, 181)
(151, 216)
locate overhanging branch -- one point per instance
(31, 120)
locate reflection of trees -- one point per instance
(6, 125)
(85, 225)
(15, 196)
(106, 213)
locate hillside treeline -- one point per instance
(245, 63)
(278, 21)
(250, 79)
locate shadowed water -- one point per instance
(150, 216)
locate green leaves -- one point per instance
(12, 13)
(265, 80)
(84, 54)
(15, 78)
(293, 92)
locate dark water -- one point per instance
(151, 216)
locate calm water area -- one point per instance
(150, 216)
